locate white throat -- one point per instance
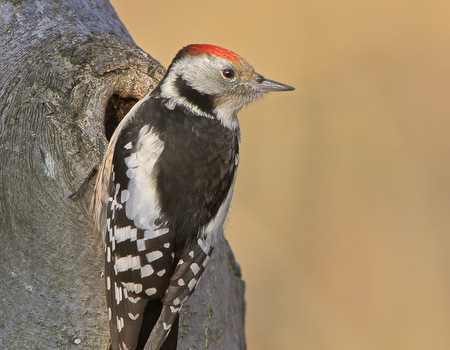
(198, 67)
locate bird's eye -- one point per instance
(228, 73)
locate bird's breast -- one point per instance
(195, 172)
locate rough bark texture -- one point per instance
(69, 69)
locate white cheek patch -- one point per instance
(204, 77)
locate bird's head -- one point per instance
(214, 82)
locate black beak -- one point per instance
(267, 85)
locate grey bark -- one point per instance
(67, 69)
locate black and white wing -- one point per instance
(162, 194)
(139, 247)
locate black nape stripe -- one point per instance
(203, 101)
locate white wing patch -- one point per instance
(141, 204)
(124, 196)
(155, 255)
(128, 262)
(124, 233)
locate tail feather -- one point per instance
(165, 332)
(125, 311)
(151, 316)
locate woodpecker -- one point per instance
(164, 189)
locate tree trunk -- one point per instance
(69, 72)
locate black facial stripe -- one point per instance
(204, 102)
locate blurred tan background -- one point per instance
(341, 214)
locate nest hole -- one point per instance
(116, 109)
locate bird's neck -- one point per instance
(175, 92)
